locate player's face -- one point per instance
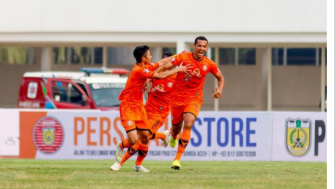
(200, 49)
(147, 59)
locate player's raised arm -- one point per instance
(218, 90)
(164, 67)
(169, 62)
(165, 74)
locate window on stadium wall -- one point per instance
(78, 55)
(227, 56)
(277, 56)
(213, 54)
(171, 49)
(297, 56)
(237, 56)
(120, 55)
(247, 56)
(18, 55)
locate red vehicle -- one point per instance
(92, 88)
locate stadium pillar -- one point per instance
(216, 106)
(262, 64)
(269, 79)
(104, 56)
(156, 53)
(323, 83)
(209, 53)
(46, 58)
(181, 46)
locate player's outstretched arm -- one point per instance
(165, 60)
(168, 73)
(219, 89)
(164, 67)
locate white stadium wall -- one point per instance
(219, 136)
(157, 16)
(261, 24)
(153, 22)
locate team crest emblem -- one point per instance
(298, 133)
(205, 68)
(196, 72)
(160, 87)
(129, 123)
(48, 135)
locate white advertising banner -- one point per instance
(94, 135)
(299, 136)
(225, 136)
(9, 132)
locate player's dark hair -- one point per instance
(139, 52)
(202, 38)
(167, 54)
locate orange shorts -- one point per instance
(156, 120)
(193, 107)
(133, 116)
(130, 125)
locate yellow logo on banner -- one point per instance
(48, 136)
(298, 136)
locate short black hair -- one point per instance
(167, 54)
(200, 38)
(139, 52)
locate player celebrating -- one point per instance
(187, 96)
(132, 112)
(157, 109)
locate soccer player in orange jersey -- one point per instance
(132, 111)
(157, 109)
(187, 96)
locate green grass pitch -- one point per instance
(20, 173)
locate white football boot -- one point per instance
(116, 166)
(119, 152)
(140, 169)
(166, 140)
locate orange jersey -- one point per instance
(160, 95)
(132, 95)
(190, 88)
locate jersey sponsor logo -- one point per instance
(157, 123)
(298, 136)
(48, 135)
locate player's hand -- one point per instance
(217, 93)
(146, 84)
(185, 69)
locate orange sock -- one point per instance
(142, 153)
(183, 142)
(124, 144)
(158, 135)
(130, 152)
